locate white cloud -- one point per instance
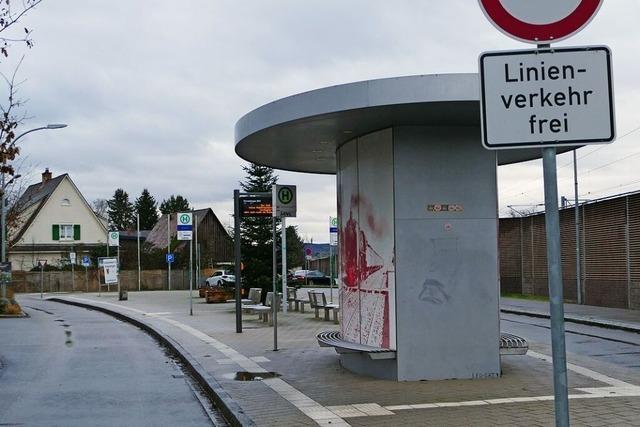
(152, 89)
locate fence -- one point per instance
(609, 253)
(63, 281)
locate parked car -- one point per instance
(309, 278)
(221, 278)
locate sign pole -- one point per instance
(86, 279)
(274, 300)
(168, 251)
(138, 238)
(118, 270)
(331, 273)
(554, 268)
(236, 239)
(190, 277)
(285, 291)
(41, 280)
(73, 272)
(576, 208)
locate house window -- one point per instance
(65, 202)
(66, 232)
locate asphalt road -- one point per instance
(67, 366)
(606, 345)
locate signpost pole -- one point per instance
(274, 300)
(138, 238)
(285, 291)
(73, 272)
(554, 269)
(190, 277)
(577, 221)
(118, 270)
(236, 238)
(41, 280)
(86, 279)
(168, 251)
(331, 272)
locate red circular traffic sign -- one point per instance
(540, 21)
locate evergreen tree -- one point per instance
(256, 242)
(147, 209)
(121, 212)
(295, 248)
(174, 204)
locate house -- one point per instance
(52, 219)
(216, 246)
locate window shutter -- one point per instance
(55, 232)
(76, 232)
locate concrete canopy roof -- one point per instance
(302, 132)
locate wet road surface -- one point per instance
(67, 366)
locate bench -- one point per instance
(318, 300)
(509, 345)
(254, 297)
(261, 310)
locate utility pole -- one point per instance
(139, 267)
(168, 250)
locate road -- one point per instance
(606, 345)
(67, 366)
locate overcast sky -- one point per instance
(151, 90)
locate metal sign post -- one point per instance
(274, 300)
(547, 98)
(138, 239)
(72, 259)
(284, 201)
(333, 241)
(238, 272)
(42, 263)
(184, 227)
(168, 251)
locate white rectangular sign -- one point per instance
(114, 238)
(185, 226)
(72, 257)
(546, 97)
(333, 231)
(283, 200)
(110, 266)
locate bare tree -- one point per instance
(100, 208)
(10, 14)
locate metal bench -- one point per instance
(509, 345)
(318, 300)
(334, 339)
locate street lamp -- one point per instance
(3, 187)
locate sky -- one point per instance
(152, 89)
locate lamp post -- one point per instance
(3, 187)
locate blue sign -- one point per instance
(333, 229)
(185, 227)
(170, 258)
(86, 261)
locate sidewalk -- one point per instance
(312, 389)
(616, 318)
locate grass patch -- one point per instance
(524, 297)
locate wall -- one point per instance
(61, 281)
(446, 260)
(365, 211)
(610, 253)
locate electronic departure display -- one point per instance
(255, 206)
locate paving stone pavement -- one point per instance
(313, 389)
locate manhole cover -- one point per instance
(254, 376)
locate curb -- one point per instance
(232, 412)
(611, 324)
